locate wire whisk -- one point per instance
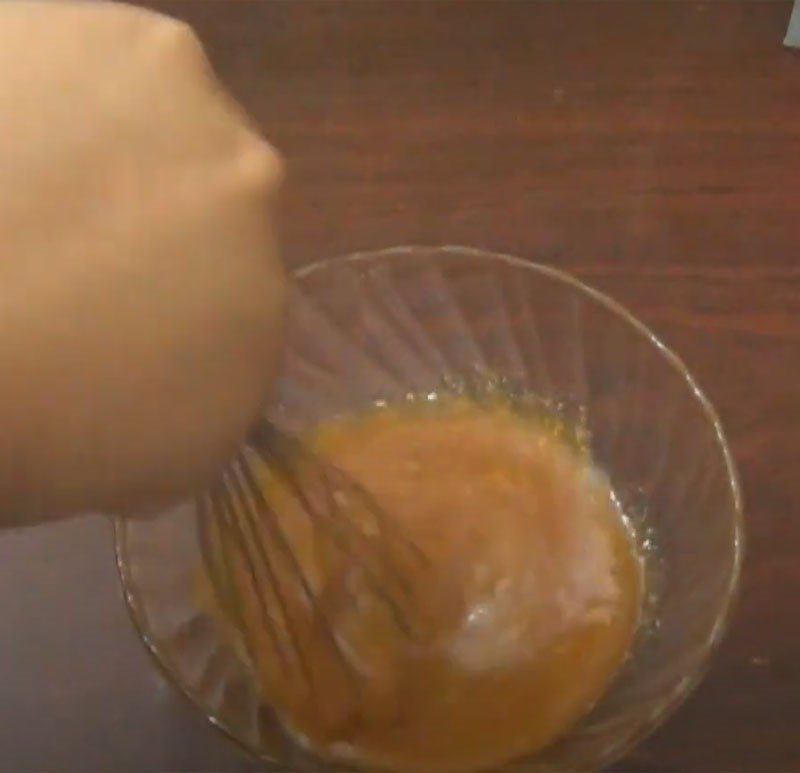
(318, 580)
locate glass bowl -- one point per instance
(378, 326)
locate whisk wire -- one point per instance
(249, 537)
(272, 526)
(248, 552)
(233, 544)
(213, 553)
(348, 538)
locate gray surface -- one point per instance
(78, 692)
(793, 33)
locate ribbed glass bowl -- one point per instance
(378, 326)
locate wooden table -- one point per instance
(653, 148)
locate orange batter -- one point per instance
(526, 607)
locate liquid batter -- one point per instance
(527, 603)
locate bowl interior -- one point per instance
(409, 321)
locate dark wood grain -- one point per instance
(653, 148)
